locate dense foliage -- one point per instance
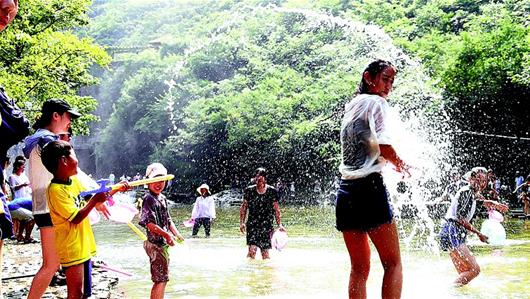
(214, 89)
(247, 95)
(41, 57)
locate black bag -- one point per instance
(13, 126)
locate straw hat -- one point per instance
(203, 186)
(155, 169)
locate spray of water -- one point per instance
(417, 140)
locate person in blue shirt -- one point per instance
(20, 209)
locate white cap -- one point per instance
(155, 169)
(203, 186)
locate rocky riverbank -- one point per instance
(24, 260)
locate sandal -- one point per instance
(30, 240)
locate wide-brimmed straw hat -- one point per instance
(155, 169)
(203, 186)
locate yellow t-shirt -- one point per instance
(75, 242)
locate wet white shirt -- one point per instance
(362, 130)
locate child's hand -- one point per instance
(483, 238)
(100, 197)
(179, 238)
(502, 207)
(123, 186)
(102, 208)
(170, 239)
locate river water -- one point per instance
(314, 264)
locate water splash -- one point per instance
(419, 142)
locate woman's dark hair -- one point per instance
(53, 152)
(373, 69)
(261, 171)
(19, 161)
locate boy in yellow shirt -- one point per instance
(73, 234)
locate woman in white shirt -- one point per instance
(18, 181)
(203, 211)
(363, 211)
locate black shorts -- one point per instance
(363, 204)
(259, 236)
(43, 220)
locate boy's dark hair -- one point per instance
(373, 69)
(261, 171)
(52, 153)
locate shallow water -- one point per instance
(315, 263)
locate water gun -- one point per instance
(104, 188)
(122, 212)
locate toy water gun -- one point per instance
(104, 188)
(122, 212)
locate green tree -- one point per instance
(41, 57)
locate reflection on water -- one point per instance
(314, 264)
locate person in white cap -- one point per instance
(458, 219)
(161, 231)
(203, 211)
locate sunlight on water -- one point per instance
(314, 264)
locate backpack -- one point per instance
(13, 125)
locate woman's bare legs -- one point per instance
(50, 264)
(359, 250)
(385, 239)
(252, 249)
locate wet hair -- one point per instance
(474, 172)
(261, 171)
(373, 69)
(19, 161)
(53, 152)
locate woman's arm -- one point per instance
(243, 215)
(388, 152)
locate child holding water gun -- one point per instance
(74, 239)
(161, 231)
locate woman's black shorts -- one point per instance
(363, 204)
(259, 236)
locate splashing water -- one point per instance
(418, 140)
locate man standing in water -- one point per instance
(261, 201)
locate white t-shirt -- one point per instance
(16, 180)
(362, 130)
(463, 205)
(40, 178)
(204, 207)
